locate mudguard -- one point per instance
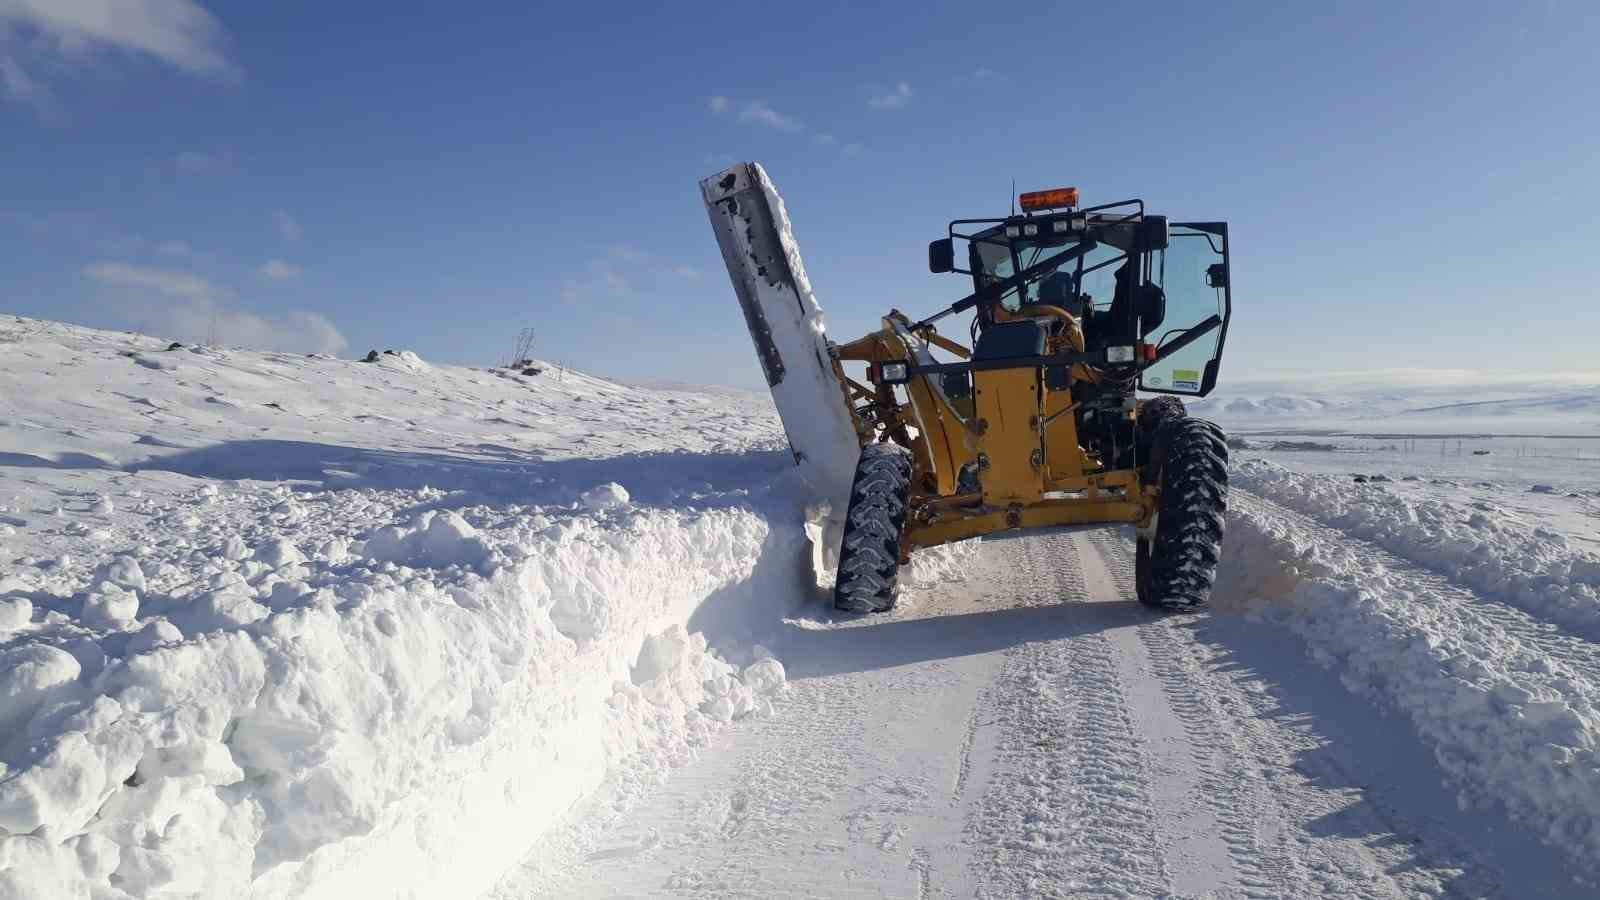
(786, 325)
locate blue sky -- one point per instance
(1408, 184)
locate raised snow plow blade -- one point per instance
(785, 324)
(1037, 421)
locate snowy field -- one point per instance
(275, 625)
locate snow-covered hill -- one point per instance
(262, 614)
(276, 625)
(1412, 401)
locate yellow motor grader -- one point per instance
(1033, 421)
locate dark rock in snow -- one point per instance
(1542, 489)
(175, 345)
(372, 356)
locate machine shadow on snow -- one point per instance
(707, 479)
(1363, 751)
(879, 644)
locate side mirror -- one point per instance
(941, 256)
(1217, 275)
(1152, 233)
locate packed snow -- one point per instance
(275, 625)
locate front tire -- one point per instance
(1176, 567)
(869, 555)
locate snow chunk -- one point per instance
(204, 757)
(279, 553)
(153, 635)
(605, 496)
(230, 605)
(765, 677)
(660, 654)
(30, 676)
(61, 791)
(15, 613)
(440, 538)
(122, 572)
(111, 607)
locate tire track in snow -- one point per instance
(964, 767)
(1068, 811)
(1262, 779)
(1256, 838)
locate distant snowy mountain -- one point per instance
(1412, 400)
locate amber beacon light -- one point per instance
(1051, 199)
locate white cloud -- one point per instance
(278, 270)
(187, 307)
(193, 161)
(616, 283)
(983, 75)
(628, 253)
(286, 224)
(689, 272)
(60, 35)
(758, 112)
(175, 248)
(881, 97)
(178, 285)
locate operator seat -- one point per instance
(1060, 289)
(1150, 302)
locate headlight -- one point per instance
(893, 372)
(1013, 231)
(1119, 354)
(1031, 229)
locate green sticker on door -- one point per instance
(1185, 379)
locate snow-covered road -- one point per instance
(1030, 730)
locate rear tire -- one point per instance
(1177, 567)
(869, 555)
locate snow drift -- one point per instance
(378, 651)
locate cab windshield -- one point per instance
(992, 263)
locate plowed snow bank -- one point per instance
(1482, 547)
(1511, 709)
(375, 646)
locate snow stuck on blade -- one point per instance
(786, 324)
